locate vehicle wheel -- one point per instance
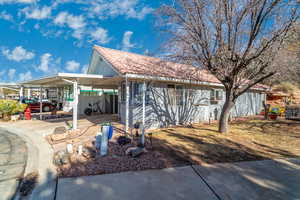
(88, 111)
(46, 109)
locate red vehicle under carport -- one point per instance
(34, 105)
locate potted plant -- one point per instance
(11, 107)
(274, 113)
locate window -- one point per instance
(179, 94)
(216, 96)
(137, 92)
(175, 94)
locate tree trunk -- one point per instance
(266, 107)
(224, 117)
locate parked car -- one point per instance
(34, 105)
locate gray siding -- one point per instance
(195, 107)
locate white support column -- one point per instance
(114, 109)
(57, 98)
(144, 113)
(41, 103)
(75, 105)
(127, 106)
(21, 93)
(119, 101)
(28, 93)
(176, 107)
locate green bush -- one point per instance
(10, 107)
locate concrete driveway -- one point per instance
(40, 155)
(270, 179)
(13, 157)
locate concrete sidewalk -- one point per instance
(269, 179)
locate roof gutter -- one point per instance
(182, 81)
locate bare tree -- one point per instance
(235, 40)
(287, 61)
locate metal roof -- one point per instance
(62, 79)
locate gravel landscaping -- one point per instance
(89, 163)
(248, 139)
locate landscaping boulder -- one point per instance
(122, 140)
(135, 151)
(89, 152)
(57, 137)
(60, 130)
(61, 158)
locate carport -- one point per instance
(75, 80)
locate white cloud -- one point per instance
(128, 8)
(126, 44)
(11, 73)
(37, 13)
(45, 60)
(25, 76)
(61, 18)
(78, 33)
(4, 15)
(84, 69)
(48, 64)
(72, 66)
(100, 35)
(18, 54)
(140, 15)
(16, 1)
(76, 23)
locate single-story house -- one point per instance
(154, 92)
(176, 93)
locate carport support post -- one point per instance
(28, 93)
(113, 111)
(75, 104)
(21, 93)
(41, 104)
(144, 113)
(127, 107)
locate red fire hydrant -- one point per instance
(27, 114)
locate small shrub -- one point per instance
(10, 107)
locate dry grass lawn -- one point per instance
(251, 139)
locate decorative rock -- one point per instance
(55, 137)
(60, 130)
(122, 140)
(135, 151)
(61, 158)
(89, 153)
(79, 150)
(70, 148)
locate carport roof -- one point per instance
(62, 79)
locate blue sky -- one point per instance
(40, 38)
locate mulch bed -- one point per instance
(115, 161)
